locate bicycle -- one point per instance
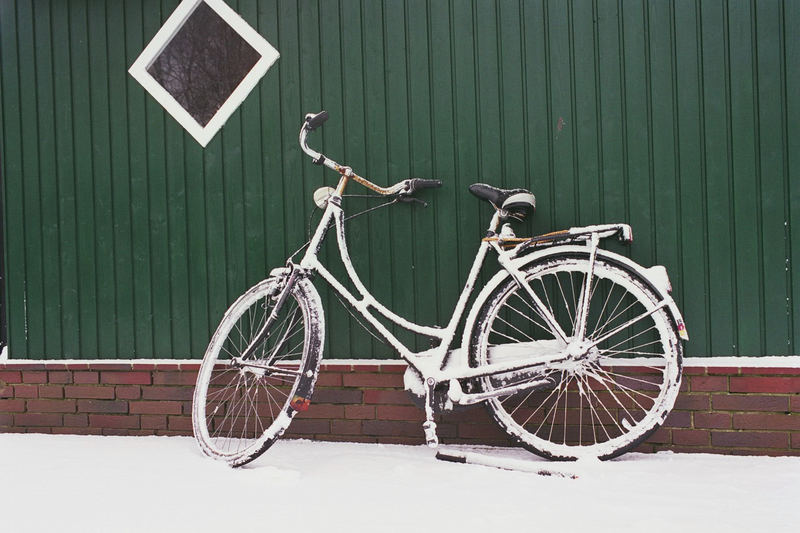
(575, 350)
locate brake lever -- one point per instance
(409, 199)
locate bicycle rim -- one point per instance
(240, 410)
(604, 404)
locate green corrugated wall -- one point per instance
(123, 238)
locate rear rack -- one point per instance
(622, 231)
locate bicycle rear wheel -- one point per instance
(599, 405)
(241, 407)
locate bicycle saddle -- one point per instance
(505, 199)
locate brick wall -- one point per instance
(741, 410)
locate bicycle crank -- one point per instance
(457, 395)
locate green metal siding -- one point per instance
(123, 238)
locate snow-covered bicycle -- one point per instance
(575, 350)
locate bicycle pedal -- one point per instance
(431, 439)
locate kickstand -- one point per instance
(431, 439)
(516, 465)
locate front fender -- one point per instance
(655, 277)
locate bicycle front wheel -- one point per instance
(241, 406)
(602, 403)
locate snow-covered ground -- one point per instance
(111, 484)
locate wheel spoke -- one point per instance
(241, 403)
(592, 410)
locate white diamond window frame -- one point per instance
(268, 56)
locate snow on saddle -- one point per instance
(513, 201)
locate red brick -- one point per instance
(51, 391)
(37, 419)
(103, 406)
(765, 384)
(6, 419)
(694, 371)
(391, 428)
(309, 427)
(750, 439)
(117, 432)
(329, 379)
(154, 422)
(766, 421)
(323, 410)
(128, 392)
(78, 420)
(14, 406)
(155, 366)
(114, 421)
(661, 436)
(691, 437)
(29, 366)
(51, 406)
(400, 412)
(723, 371)
(59, 377)
(180, 423)
(125, 378)
(124, 367)
(712, 420)
(337, 396)
(76, 366)
(679, 419)
(6, 391)
(771, 371)
(394, 368)
(10, 376)
(346, 427)
(796, 404)
(195, 367)
(167, 393)
(174, 378)
(34, 377)
(77, 431)
(373, 380)
(359, 412)
(366, 368)
(693, 402)
(332, 367)
(98, 393)
(750, 402)
(86, 378)
(26, 391)
(156, 408)
(398, 397)
(709, 383)
(795, 440)
(480, 431)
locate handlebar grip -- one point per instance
(315, 121)
(416, 184)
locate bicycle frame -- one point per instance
(430, 363)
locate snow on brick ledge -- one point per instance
(726, 405)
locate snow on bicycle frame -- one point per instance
(486, 367)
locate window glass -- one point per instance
(203, 63)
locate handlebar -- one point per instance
(402, 188)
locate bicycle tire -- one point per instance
(624, 405)
(239, 411)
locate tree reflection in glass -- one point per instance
(203, 63)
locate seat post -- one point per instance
(495, 222)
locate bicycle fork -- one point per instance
(263, 333)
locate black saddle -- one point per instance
(514, 201)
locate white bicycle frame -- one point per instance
(433, 363)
